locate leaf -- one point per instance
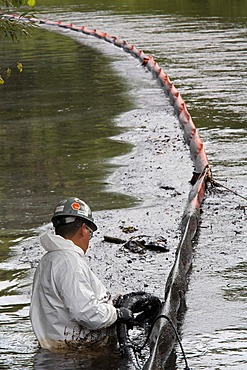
(31, 3)
(1, 81)
(19, 66)
(8, 72)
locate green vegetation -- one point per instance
(16, 29)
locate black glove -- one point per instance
(125, 315)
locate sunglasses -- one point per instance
(90, 230)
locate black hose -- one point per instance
(149, 306)
(136, 349)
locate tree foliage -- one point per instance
(16, 29)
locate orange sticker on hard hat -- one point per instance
(75, 206)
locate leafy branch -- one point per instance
(14, 28)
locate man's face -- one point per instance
(86, 235)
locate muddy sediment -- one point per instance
(157, 172)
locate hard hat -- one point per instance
(67, 211)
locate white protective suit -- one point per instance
(69, 305)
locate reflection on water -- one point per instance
(102, 359)
(235, 290)
(185, 7)
(56, 121)
(225, 349)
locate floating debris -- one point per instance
(139, 244)
(112, 239)
(128, 229)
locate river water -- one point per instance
(63, 127)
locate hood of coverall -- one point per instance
(51, 242)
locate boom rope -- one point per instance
(162, 340)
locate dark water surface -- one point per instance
(58, 120)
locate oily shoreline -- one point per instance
(157, 172)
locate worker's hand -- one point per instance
(125, 315)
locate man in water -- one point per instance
(70, 307)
